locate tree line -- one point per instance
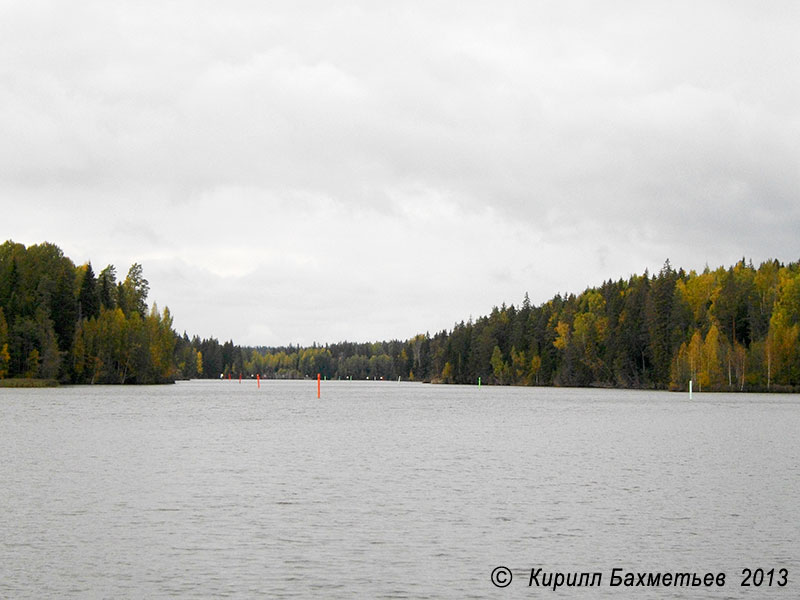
(61, 321)
(733, 328)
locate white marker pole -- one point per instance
(690, 389)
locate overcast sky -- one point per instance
(290, 172)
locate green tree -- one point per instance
(107, 287)
(632, 360)
(659, 315)
(132, 293)
(88, 297)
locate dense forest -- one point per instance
(59, 321)
(726, 329)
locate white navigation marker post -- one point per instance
(690, 389)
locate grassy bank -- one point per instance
(19, 382)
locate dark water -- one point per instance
(387, 490)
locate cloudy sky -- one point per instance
(300, 171)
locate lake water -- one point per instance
(390, 490)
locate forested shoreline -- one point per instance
(60, 321)
(728, 329)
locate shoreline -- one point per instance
(24, 382)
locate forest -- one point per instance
(727, 329)
(61, 321)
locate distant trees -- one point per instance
(727, 329)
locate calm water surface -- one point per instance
(389, 490)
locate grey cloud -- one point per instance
(224, 133)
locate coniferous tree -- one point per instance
(89, 297)
(107, 287)
(659, 321)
